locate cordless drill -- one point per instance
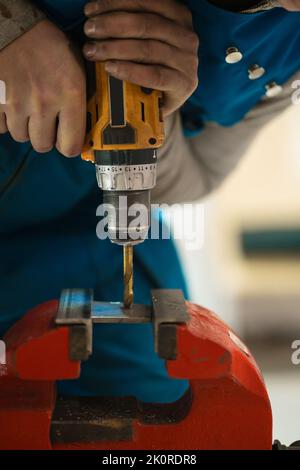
(124, 129)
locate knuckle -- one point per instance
(75, 89)
(42, 99)
(193, 40)
(103, 49)
(193, 84)
(139, 4)
(15, 107)
(131, 23)
(159, 78)
(147, 51)
(187, 15)
(39, 148)
(69, 151)
(194, 66)
(20, 140)
(41, 105)
(18, 137)
(107, 25)
(3, 126)
(39, 89)
(105, 4)
(144, 26)
(188, 85)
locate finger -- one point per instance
(141, 51)
(170, 9)
(141, 26)
(42, 132)
(149, 76)
(17, 126)
(3, 125)
(71, 131)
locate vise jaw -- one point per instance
(227, 403)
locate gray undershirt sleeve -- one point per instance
(16, 18)
(191, 168)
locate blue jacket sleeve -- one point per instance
(67, 14)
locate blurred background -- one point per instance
(248, 269)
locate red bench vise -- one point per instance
(226, 407)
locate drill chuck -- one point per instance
(126, 178)
(128, 216)
(132, 170)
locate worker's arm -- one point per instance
(149, 43)
(190, 168)
(16, 18)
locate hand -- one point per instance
(46, 91)
(291, 5)
(149, 43)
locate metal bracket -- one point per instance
(79, 311)
(74, 311)
(169, 312)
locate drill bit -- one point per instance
(128, 276)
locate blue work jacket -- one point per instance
(48, 203)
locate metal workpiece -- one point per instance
(75, 310)
(77, 307)
(115, 312)
(78, 310)
(169, 312)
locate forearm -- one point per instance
(17, 17)
(189, 169)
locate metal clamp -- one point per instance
(79, 311)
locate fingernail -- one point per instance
(90, 27)
(90, 49)
(91, 8)
(111, 67)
